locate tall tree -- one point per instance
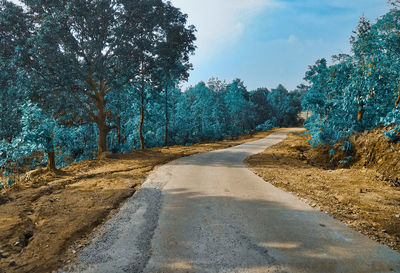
(238, 105)
(362, 46)
(89, 49)
(162, 42)
(14, 33)
(173, 54)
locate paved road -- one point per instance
(209, 213)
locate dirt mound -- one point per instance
(374, 151)
(370, 149)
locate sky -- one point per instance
(270, 42)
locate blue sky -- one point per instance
(267, 42)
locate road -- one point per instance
(209, 213)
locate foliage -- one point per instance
(359, 91)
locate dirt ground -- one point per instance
(364, 194)
(48, 218)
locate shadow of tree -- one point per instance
(225, 234)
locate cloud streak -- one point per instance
(220, 22)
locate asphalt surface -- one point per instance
(209, 213)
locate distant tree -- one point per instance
(216, 85)
(238, 105)
(200, 100)
(395, 3)
(262, 106)
(386, 62)
(285, 107)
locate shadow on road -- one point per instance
(226, 234)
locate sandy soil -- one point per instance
(48, 218)
(365, 199)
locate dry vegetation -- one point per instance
(46, 219)
(364, 194)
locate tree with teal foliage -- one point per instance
(14, 32)
(39, 134)
(238, 105)
(90, 49)
(359, 91)
(316, 100)
(263, 107)
(363, 47)
(162, 48)
(173, 55)
(285, 106)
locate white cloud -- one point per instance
(292, 39)
(16, 2)
(220, 22)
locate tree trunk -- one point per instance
(99, 92)
(141, 138)
(119, 129)
(360, 114)
(102, 138)
(101, 126)
(166, 117)
(398, 96)
(51, 161)
(142, 97)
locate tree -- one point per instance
(201, 104)
(38, 134)
(262, 106)
(14, 32)
(285, 107)
(362, 49)
(173, 61)
(387, 53)
(162, 47)
(74, 46)
(359, 91)
(316, 100)
(238, 108)
(89, 49)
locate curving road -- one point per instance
(209, 213)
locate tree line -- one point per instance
(79, 78)
(361, 90)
